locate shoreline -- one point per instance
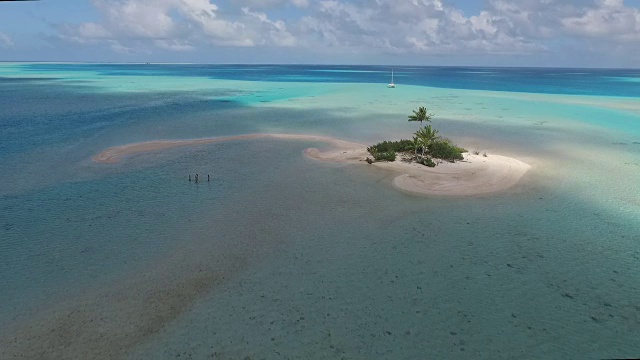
(474, 175)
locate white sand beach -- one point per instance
(475, 175)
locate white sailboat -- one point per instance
(391, 85)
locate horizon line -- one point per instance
(309, 64)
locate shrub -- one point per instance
(426, 161)
(384, 156)
(445, 150)
(395, 146)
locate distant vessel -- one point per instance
(391, 85)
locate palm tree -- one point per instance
(425, 136)
(416, 145)
(420, 115)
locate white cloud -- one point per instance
(119, 48)
(5, 41)
(610, 19)
(176, 25)
(274, 32)
(265, 4)
(146, 19)
(377, 27)
(300, 3)
(421, 26)
(174, 45)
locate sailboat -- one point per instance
(391, 85)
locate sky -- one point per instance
(569, 33)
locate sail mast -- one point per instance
(392, 84)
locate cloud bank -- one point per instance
(376, 27)
(5, 41)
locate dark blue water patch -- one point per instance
(25, 80)
(597, 82)
(42, 113)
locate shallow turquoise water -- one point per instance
(280, 256)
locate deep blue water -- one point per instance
(39, 112)
(597, 82)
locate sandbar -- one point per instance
(474, 175)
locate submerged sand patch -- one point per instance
(475, 175)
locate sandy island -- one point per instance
(475, 175)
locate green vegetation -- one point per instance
(425, 146)
(387, 146)
(424, 137)
(383, 156)
(420, 115)
(426, 161)
(445, 150)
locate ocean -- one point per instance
(280, 256)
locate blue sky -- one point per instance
(570, 33)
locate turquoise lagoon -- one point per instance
(281, 256)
